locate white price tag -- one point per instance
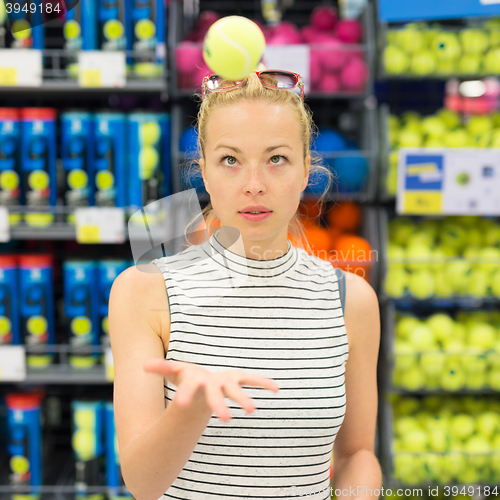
(20, 68)
(98, 68)
(451, 181)
(4, 224)
(108, 362)
(100, 225)
(291, 58)
(489, 2)
(12, 363)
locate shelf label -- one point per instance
(291, 58)
(98, 68)
(21, 68)
(4, 224)
(448, 181)
(100, 225)
(12, 363)
(108, 362)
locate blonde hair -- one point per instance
(252, 88)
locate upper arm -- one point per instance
(137, 304)
(362, 321)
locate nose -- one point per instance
(254, 178)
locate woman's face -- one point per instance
(254, 156)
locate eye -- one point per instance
(275, 160)
(231, 160)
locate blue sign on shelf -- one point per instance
(398, 11)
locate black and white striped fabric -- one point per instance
(280, 318)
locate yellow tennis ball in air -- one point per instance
(233, 47)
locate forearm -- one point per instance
(358, 476)
(152, 460)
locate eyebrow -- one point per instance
(268, 150)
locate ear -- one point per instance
(306, 175)
(201, 163)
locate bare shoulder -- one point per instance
(362, 314)
(142, 288)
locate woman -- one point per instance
(253, 312)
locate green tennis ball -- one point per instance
(462, 426)
(395, 256)
(408, 138)
(481, 335)
(422, 237)
(495, 138)
(423, 63)
(458, 138)
(479, 124)
(432, 362)
(410, 117)
(148, 161)
(472, 255)
(395, 282)
(474, 41)
(400, 230)
(405, 325)
(441, 325)
(469, 64)
(457, 273)
(396, 61)
(83, 444)
(421, 284)
(434, 142)
(84, 418)
(451, 118)
(489, 259)
(446, 46)
(422, 338)
(233, 46)
(413, 379)
(411, 39)
(433, 126)
(150, 133)
(492, 237)
(418, 256)
(478, 284)
(446, 67)
(453, 377)
(491, 61)
(495, 283)
(438, 259)
(442, 286)
(405, 357)
(453, 235)
(392, 181)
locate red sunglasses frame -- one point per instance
(300, 82)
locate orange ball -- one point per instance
(319, 241)
(346, 215)
(353, 253)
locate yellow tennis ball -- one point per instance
(233, 47)
(83, 444)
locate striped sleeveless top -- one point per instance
(282, 319)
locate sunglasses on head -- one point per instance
(271, 78)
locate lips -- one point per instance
(255, 208)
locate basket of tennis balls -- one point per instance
(451, 256)
(446, 440)
(443, 129)
(445, 353)
(422, 50)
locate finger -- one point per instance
(161, 366)
(186, 391)
(258, 381)
(237, 394)
(215, 399)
